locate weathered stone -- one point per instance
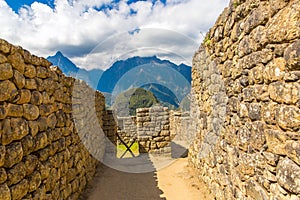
(19, 128)
(30, 84)
(3, 111)
(288, 93)
(45, 110)
(16, 174)
(34, 181)
(51, 121)
(3, 175)
(292, 149)
(15, 110)
(36, 98)
(288, 175)
(288, 117)
(31, 112)
(41, 141)
(27, 145)
(271, 158)
(254, 190)
(40, 84)
(275, 141)
(34, 127)
(14, 154)
(17, 62)
(2, 155)
(254, 111)
(6, 71)
(3, 58)
(31, 163)
(4, 190)
(6, 132)
(30, 71)
(7, 90)
(42, 123)
(19, 79)
(5, 46)
(19, 190)
(274, 70)
(42, 72)
(24, 96)
(284, 26)
(292, 55)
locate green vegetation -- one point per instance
(236, 4)
(122, 148)
(127, 102)
(207, 40)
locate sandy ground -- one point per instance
(175, 181)
(178, 181)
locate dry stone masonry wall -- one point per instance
(150, 128)
(42, 154)
(246, 87)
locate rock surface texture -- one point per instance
(246, 99)
(42, 151)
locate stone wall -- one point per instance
(180, 125)
(153, 130)
(43, 152)
(150, 128)
(246, 98)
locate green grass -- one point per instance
(122, 148)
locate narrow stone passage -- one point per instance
(175, 181)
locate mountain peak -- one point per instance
(59, 53)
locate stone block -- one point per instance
(288, 117)
(31, 112)
(17, 62)
(288, 175)
(3, 111)
(19, 128)
(16, 174)
(18, 79)
(5, 192)
(36, 98)
(3, 175)
(24, 96)
(6, 71)
(8, 90)
(292, 56)
(34, 181)
(14, 154)
(19, 190)
(30, 71)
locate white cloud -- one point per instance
(75, 27)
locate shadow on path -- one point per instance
(111, 184)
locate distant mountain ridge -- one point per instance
(169, 82)
(70, 69)
(112, 75)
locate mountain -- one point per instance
(165, 96)
(169, 82)
(112, 75)
(70, 69)
(127, 102)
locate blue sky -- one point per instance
(95, 33)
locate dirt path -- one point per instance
(176, 181)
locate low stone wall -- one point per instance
(150, 128)
(246, 95)
(43, 149)
(153, 130)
